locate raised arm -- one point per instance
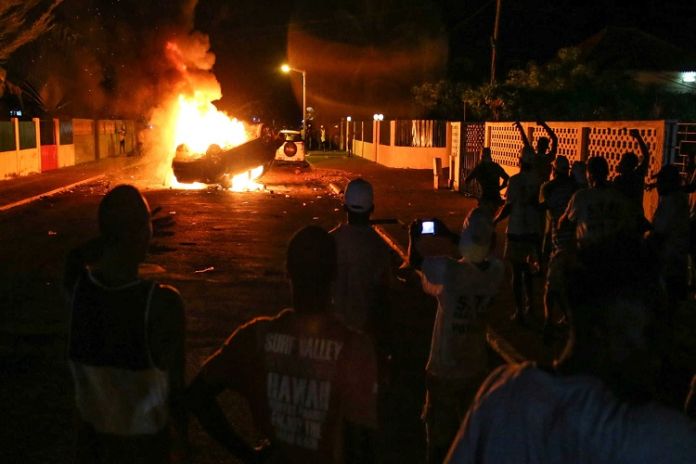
(506, 178)
(554, 139)
(644, 151)
(520, 129)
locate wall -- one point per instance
(84, 141)
(8, 164)
(83, 144)
(393, 156)
(581, 140)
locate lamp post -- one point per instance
(286, 68)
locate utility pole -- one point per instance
(494, 40)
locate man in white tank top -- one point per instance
(126, 341)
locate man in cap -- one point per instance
(364, 271)
(554, 197)
(126, 342)
(523, 232)
(464, 288)
(305, 374)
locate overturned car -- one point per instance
(219, 166)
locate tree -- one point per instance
(21, 22)
(17, 27)
(566, 88)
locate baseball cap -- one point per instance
(477, 232)
(358, 196)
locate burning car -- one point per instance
(221, 166)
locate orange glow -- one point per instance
(175, 184)
(246, 182)
(199, 124)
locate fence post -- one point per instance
(583, 143)
(669, 147)
(392, 133)
(375, 138)
(458, 130)
(437, 172)
(15, 123)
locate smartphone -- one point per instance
(428, 228)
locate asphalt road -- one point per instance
(226, 256)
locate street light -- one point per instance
(286, 68)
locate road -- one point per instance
(226, 256)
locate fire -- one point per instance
(189, 125)
(199, 124)
(246, 182)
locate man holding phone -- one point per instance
(464, 289)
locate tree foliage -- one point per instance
(22, 21)
(566, 88)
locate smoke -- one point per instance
(129, 59)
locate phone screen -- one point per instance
(428, 227)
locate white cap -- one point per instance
(358, 196)
(477, 232)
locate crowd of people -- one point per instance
(314, 374)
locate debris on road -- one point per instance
(207, 269)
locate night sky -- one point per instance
(361, 56)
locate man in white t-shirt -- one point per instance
(364, 265)
(593, 405)
(523, 234)
(599, 213)
(670, 234)
(464, 289)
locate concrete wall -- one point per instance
(390, 155)
(84, 141)
(66, 155)
(91, 141)
(21, 162)
(8, 164)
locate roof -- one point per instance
(632, 49)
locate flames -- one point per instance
(190, 118)
(199, 124)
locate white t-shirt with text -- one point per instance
(464, 292)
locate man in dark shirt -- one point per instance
(554, 198)
(488, 174)
(309, 379)
(545, 151)
(631, 178)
